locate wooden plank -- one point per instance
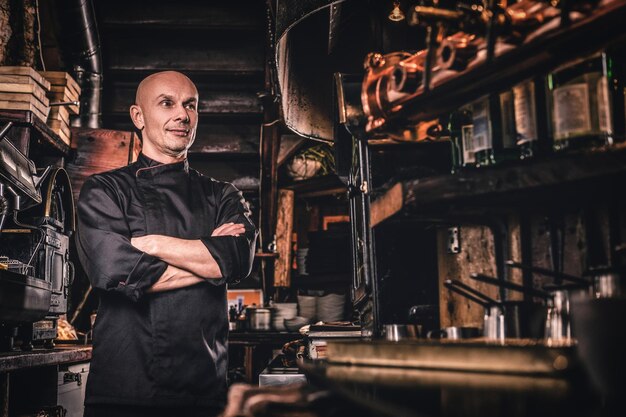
(240, 15)
(25, 71)
(476, 255)
(57, 125)
(284, 229)
(387, 205)
(26, 98)
(34, 89)
(222, 99)
(11, 361)
(61, 89)
(97, 150)
(59, 113)
(18, 105)
(63, 79)
(165, 53)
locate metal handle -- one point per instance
(511, 286)
(547, 272)
(470, 293)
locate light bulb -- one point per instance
(396, 14)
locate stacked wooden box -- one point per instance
(64, 89)
(23, 88)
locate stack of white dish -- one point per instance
(307, 305)
(283, 311)
(330, 307)
(301, 256)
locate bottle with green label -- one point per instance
(494, 134)
(531, 124)
(584, 95)
(460, 128)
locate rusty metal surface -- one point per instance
(11, 361)
(304, 32)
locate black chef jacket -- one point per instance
(167, 348)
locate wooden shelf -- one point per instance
(266, 255)
(538, 55)
(42, 133)
(11, 361)
(317, 186)
(559, 179)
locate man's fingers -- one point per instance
(229, 229)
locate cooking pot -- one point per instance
(395, 332)
(454, 333)
(259, 318)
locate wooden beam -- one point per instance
(214, 99)
(239, 15)
(284, 229)
(161, 51)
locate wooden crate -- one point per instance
(22, 88)
(22, 73)
(63, 89)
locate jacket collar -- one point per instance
(148, 165)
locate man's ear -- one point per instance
(137, 116)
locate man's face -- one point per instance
(166, 112)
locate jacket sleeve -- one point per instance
(104, 248)
(233, 254)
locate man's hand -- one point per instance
(229, 229)
(149, 244)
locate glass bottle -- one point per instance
(583, 96)
(531, 117)
(460, 128)
(494, 135)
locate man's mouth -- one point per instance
(179, 132)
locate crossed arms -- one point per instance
(132, 266)
(189, 261)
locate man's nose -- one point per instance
(182, 114)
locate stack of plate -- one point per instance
(22, 88)
(64, 90)
(308, 306)
(330, 307)
(283, 311)
(301, 256)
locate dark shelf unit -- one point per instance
(40, 132)
(558, 179)
(317, 186)
(541, 53)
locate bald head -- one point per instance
(166, 113)
(153, 82)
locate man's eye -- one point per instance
(191, 106)
(166, 103)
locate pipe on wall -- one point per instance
(81, 44)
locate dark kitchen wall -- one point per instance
(220, 46)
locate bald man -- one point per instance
(159, 242)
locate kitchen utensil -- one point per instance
(395, 332)
(523, 318)
(512, 319)
(493, 320)
(548, 272)
(455, 333)
(607, 283)
(259, 318)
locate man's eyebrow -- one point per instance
(190, 100)
(160, 96)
